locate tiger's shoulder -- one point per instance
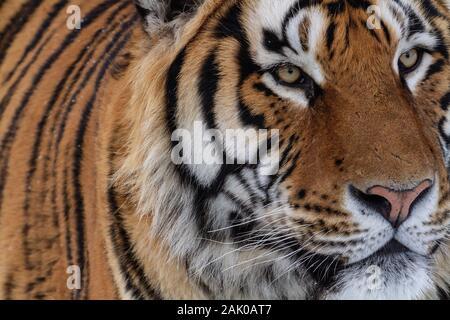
(60, 64)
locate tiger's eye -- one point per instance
(410, 59)
(289, 74)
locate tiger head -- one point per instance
(358, 93)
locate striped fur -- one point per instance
(51, 81)
(86, 177)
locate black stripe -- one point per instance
(386, 32)
(209, 82)
(272, 43)
(230, 24)
(359, 4)
(372, 32)
(12, 89)
(32, 161)
(66, 204)
(143, 12)
(248, 118)
(172, 86)
(241, 225)
(82, 60)
(442, 132)
(247, 67)
(9, 287)
(347, 38)
(430, 9)
(2, 2)
(330, 35)
(294, 11)
(7, 140)
(291, 168)
(284, 156)
(171, 95)
(203, 194)
(254, 197)
(172, 91)
(42, 71)
(336, 8)
(445, 101)
(57, 7)
(80, 136)
(436, 67)
(415, 24)
(93, 43)
(68, 107)
(15, 25)
(261, 87)
(66, 214)
(132, 271)
(443, 294)
(441, 47)
(40, 279)
(5, 101)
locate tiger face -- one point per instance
(359, 93)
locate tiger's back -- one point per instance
(52, 88)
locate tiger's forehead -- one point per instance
(403, 16)
(299, 29)
(275, 33)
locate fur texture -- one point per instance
(87, 177)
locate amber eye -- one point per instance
(410, 60)
(290, 74)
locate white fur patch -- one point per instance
(383, 281)
(156, 21)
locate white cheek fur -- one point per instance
(356, 283)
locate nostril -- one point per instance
(372, 201)
(394, 205)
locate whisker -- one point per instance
(257, 258)
(265, 216)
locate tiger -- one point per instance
(354, 98)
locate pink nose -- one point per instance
(400, 201)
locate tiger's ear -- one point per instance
(166, 15)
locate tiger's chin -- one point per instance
(391, 276)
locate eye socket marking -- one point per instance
(410, 60)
